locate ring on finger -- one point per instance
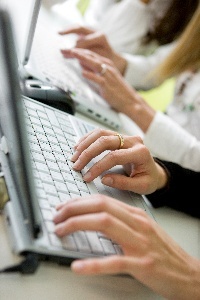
(103, 69)
(121, 140)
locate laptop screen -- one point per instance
(24, 14)
(13, 135)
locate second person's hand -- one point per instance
(112, 86)
(143, 175)
(97, 42)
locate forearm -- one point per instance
(138, 111)
(182, 190)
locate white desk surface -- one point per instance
(52, 281)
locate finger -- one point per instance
(77, 30)
(95, 204)
(114, 264)
(88, 139)
(103, 222)
(101, 145)
(122, 157)
(86, 57)
(110, 160)
(60, 206)
(83, 138)
(90, 41)
(138, 184)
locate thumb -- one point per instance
(137, 184)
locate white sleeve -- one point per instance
(139, 67)
(124, 23)
(96, 10)
(169, 141)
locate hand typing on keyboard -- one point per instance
(149, 254)
(143, 175)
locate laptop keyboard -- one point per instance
(52, 138)
(63, 73)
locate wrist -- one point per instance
(120, 63)
(139, 111)
(164, 174)
(163, 177)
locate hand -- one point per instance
(143, 174)
(98, 43)
(112, 87)
(149, 254)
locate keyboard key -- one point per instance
(55, 241)
(81, 241)
(108, 246)
(69, 243)
(50, 226)
(47, 214)
(94, 241)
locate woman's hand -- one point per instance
(149, 254)
(112, 87)
(98, 43)
(143, 174)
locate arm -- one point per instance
(168, 140)
(139, 67)
(162, 135)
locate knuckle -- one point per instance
(86, 153)
(135, 139)
(98, 168)
(121, 265)
(103, 139)
(145, 185)
(114, 155)
(100, 131)
(105, 221)
(71, 224)
(101, 203)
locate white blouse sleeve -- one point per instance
(168, 141)
(140, 66)
(124, 23)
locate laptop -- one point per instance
(41, 58)
(36, 145)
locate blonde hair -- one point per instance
(186, 55)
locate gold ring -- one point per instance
(103, 69)
(121, 140)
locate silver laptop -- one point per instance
(36, 145)
(40, 57)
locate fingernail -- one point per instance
(75, 156)
(76, 165)
(87, 176)
(107, 180)
(77, 266)
(58, 229)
